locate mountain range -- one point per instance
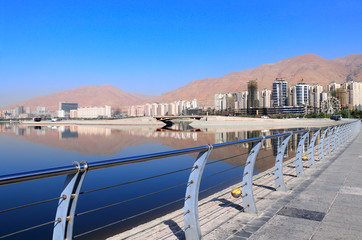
(311, 68)
(87, 96)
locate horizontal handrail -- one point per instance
(72, 169)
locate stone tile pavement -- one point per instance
(327, 205)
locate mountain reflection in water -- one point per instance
(107, 141)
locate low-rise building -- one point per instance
(94, 112)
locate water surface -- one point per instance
(25, 148)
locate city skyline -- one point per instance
(347, 69)
(49, 47)
(299, 98)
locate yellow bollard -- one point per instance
(236, 192)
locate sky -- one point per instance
(151, 47)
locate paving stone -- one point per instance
(243, 233)
(335, 232)
(281, 227)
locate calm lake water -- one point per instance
(32, 148)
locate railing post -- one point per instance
(191, 212)
(63, 227)
(340, 136)
(346, 132)
(278, 176)
(299, 162)
(334, 138)
(247, 189)
(328, 142)
(311, 161)
(321, 146)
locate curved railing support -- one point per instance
(334, 138)
(311, 161)
(339, 136)
(346, 132)
(191, 212)
(298, 157)
(247, 189)
(328, 141)
(321, 146)
(278, 176)
(64, 219)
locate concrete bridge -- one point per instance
(169, 118)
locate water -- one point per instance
(32, 148)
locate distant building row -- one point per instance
(65, 110)
(71, 110)
(349, 94)
(175, 108)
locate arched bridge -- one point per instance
(168, 118)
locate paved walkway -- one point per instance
(327, 205)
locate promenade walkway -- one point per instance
(325, 205)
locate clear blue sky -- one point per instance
(151, 47)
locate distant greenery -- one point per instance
(280, 116)
(343, 113)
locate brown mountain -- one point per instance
(312, 68)
(87, 96)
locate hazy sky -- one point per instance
(151, 47)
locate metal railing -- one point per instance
(331, 138)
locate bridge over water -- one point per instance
(168, 118)
(298, 198)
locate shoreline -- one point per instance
(210, 122)
(259, 123)
(142, 121)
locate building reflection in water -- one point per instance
(68, 133)
(118, 138)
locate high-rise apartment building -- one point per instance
(154, 109)
(237, 100)
(354, 94)
(224, 101)
(302, 91)
(292, 99)
(315, 96)
(194, 103)
(280, 93)
(244, 99)
(265, 98)
(341, 95)
(19, 110)
(324, 96)
(253, 101)
(333, 86)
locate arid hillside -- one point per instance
(312, 68)
(87, 96)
